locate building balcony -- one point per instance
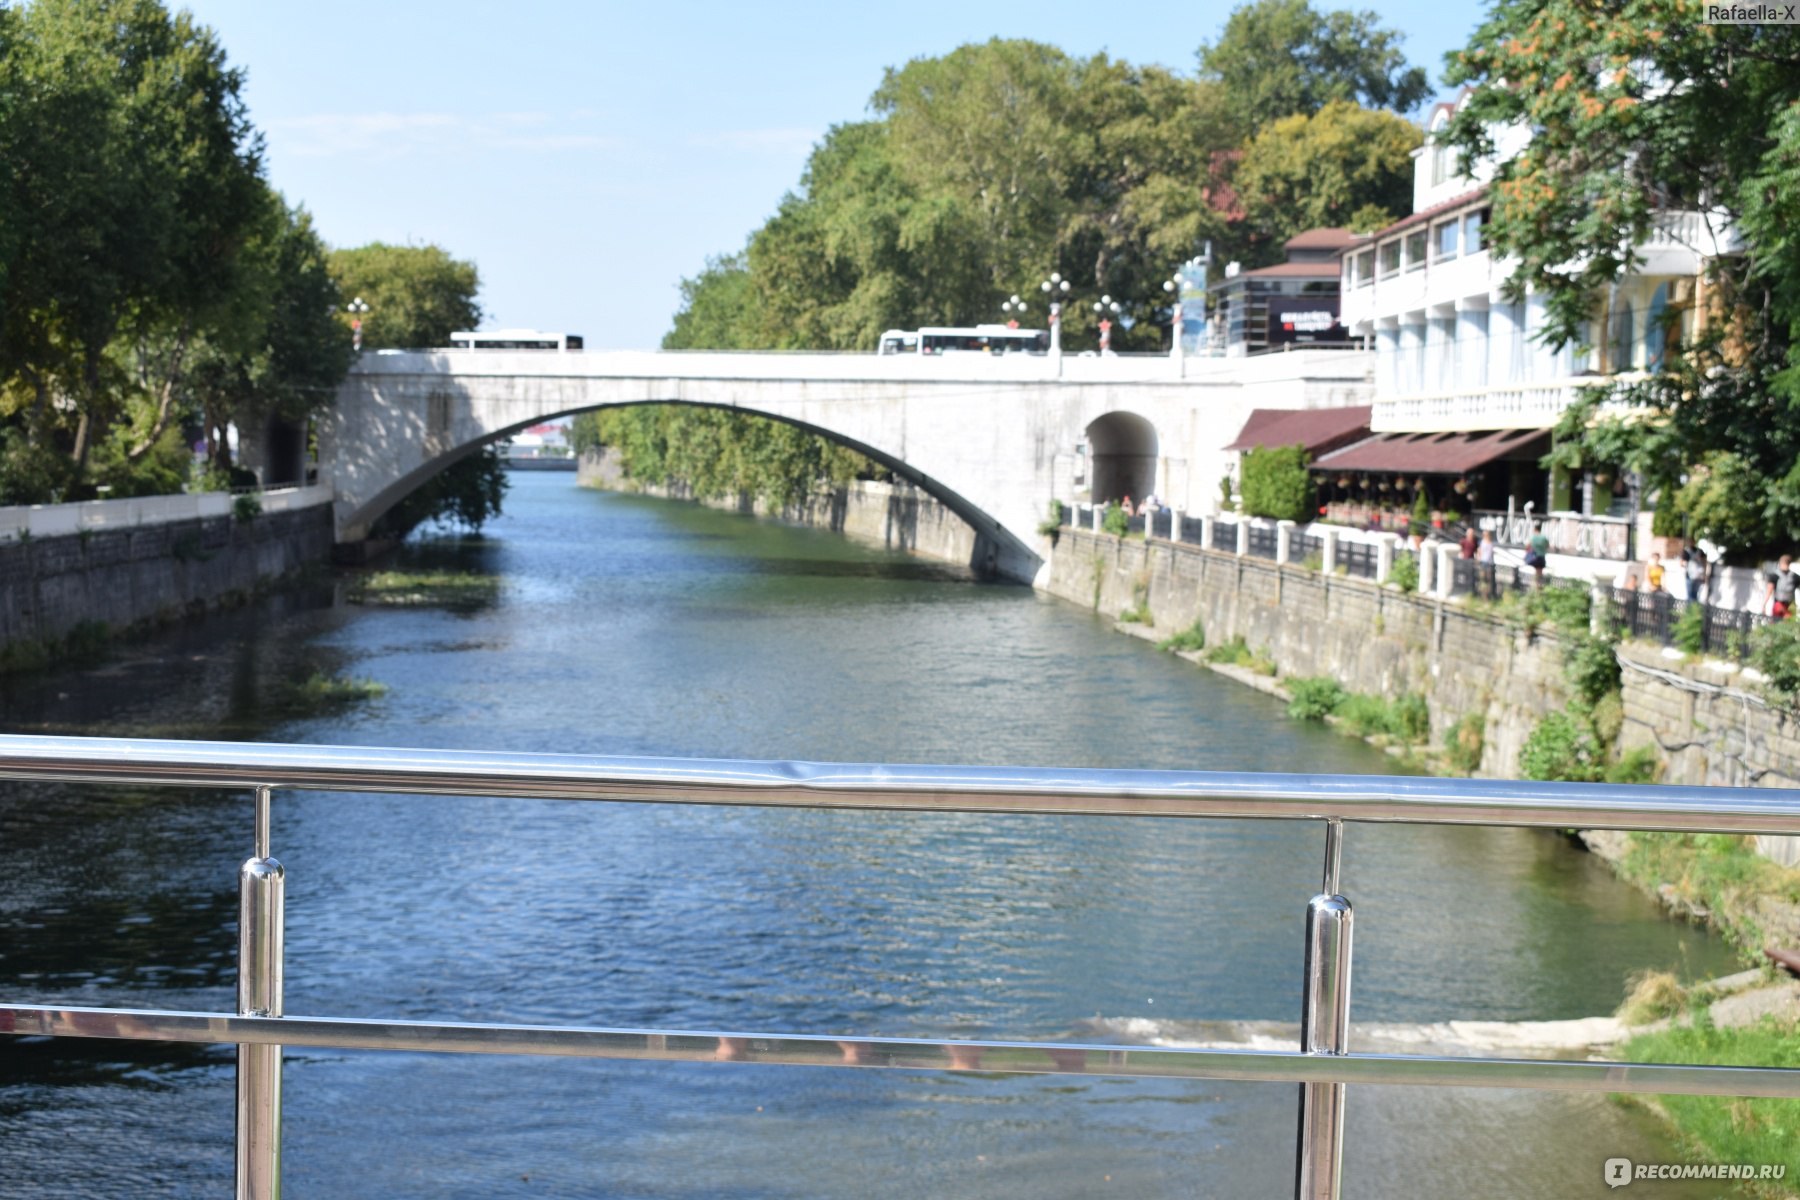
(1530, 404)
(1534, 404)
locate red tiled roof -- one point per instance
(1425, 214)
(1318, 429)
(1428, 453)
(1320, 239)
(1326, 269)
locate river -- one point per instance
(637, 626)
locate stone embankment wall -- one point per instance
(124, 577)
(897, 516)
(1368, 637)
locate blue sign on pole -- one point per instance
(1192, 277)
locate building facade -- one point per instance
(1464, 382)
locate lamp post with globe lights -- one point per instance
(1106, 308)
(1056, 288)
(1014, 308)
(356, 308)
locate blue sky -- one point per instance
(587, 156)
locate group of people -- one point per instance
(1150, 504)
(1695, 570)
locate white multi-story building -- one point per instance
(1454, 357)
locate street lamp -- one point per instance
(1013, 307)
(1106, 308)
(1055, 287)
(356, 308)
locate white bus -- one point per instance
(981, 339)
(513, 339)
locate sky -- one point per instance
(588, 156)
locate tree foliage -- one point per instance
(981, 171)
(465, 495)
(151, 283)
(417, 295)
(1276, 483)
(1340, 166)
(1277, 58)
(719, 453)
(1641, 113)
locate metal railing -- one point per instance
(1262, 543)
(1657, 616)
(1322, 1065)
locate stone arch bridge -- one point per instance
(994, 439)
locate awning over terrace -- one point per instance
(1318, 429)
(1429, 453)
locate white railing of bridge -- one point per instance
(55, 520)
(837, 366)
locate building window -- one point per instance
(1623, 336)
(1390, 259)
(1442, 160)
(1656, 329)
(1446, 239)
(1415, 250)
(1362, 268)
(1472, 229)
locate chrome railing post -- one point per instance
(261, 886)
(1324, 1029)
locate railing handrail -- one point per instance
(1323, 1065)
(1054, 790)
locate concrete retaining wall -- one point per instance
(898, 516)
(1369, 638)
(50, 585)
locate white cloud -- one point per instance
(387, 133)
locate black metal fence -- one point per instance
(1262, 543)
(1303, 547)
(1660, 617)
(1357, 558)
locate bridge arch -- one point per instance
(995, 550)
(1123, 449)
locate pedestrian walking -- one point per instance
(1484, 561)
(1778, 601)
(1698, 569)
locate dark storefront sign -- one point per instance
(1299, 319)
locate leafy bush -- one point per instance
(1410, 717)
(1363, 714)
(1608, 717)
(1562, 747)
(1405, 574)
(1314, 561)
(1421, 512)
(1052, 526)
(1591, 666)
(1277, 483)
(1314, 699)
(246, 509)
(1188, 640)
(1775, 651)
(1226, 503)
(1232, 651)
(1464, 743)
(1636, 766)
(1690, 629)
(1115, 521)
(1568, 606)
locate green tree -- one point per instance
(715, 309)
(1277, 484)
(131, 155)
(467, 494)
(1640, 113)
(1340, 166)
(1276, 58)
(417, 295)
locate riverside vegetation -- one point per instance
(1717, 878)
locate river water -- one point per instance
(636, 626)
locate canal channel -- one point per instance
(636, 626)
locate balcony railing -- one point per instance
(260, 1027)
